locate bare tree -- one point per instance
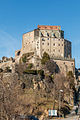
(9, 98)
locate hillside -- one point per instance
(28, 91)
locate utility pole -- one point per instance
(60, 91)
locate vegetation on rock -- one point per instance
(45, 58)
(30, 65)
(32, 92)
(24, 59)
(52, 66)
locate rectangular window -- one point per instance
(54, 44)
(58, 44)
(71, 63)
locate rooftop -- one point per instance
(43, 27)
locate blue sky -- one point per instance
(20, 16)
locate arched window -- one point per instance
(48, 34)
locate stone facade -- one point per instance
(66, 65)
(48, 39)
(28, 42)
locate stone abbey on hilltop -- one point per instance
(49, 39)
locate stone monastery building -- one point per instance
(48, 39)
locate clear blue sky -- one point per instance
(20, 16)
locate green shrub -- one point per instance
(30, 66)
(29, 54)
(40, 72)
(35, 72)
(24, 59)
(30, 71)
(45, 58)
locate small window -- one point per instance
(71, 63)
(54, 44)
(48, 49)
(48, 34)
(47, 43)
(37, 47)
(58, 44)
(62, 44)
(59, 50)
(48, 38)
(42, 43)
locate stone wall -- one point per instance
(8, 64)
(66, 65)
(28, 42)
(67, 49)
